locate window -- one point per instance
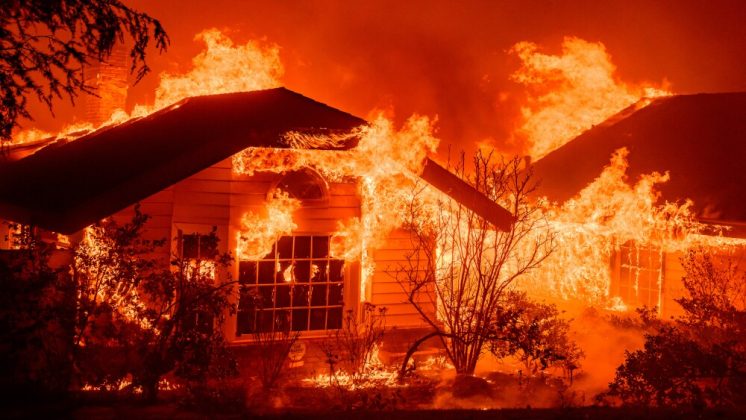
(14, 235)
(198, 252)
(305, 185)
(640, 274)
(298, 283)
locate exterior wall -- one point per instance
(387, 291)
(217, 197)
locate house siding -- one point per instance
(217, 197)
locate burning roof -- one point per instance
(65, 187)
(69, 185)
(699, 139)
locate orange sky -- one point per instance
(449, 58)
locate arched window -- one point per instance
(305, 185)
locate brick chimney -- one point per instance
(109, 81)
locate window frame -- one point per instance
(627, 287)
(348, 270)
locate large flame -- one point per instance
(222, 67)
(386, 162)
(606, 214)
(571, 92)
(260, 230)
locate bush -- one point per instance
(353, 347)
(699, 360)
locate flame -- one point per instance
(101, 276)
(222, 67)
(259, 231)
(606, 214)
(571, 92)
(385, 161)
(376, 375)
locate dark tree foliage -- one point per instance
(44, 45)
(699, 360)
(37, 307)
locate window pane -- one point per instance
(300, 319)
(266, 294)
(266, 272)
(302, 247)
(336, 270)
(318, 319)
(282, 297)
(300, 295)
(302, 271)
(282, 320)
(247, 272)
(335, 319)
(320, 246)
(264, 320)
(335, 294)
(285, 248)
(284, 272)
(318, 295)
(322, 274)
(245, 321)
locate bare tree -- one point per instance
(353, 346)
(44, 45)
(461, 267)
(273, 345)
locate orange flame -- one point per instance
(571, 92)
(260, 231)
(386, 161)
(607, 213)
(222, 67)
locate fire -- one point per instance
(376, 376)
(222, 67)
(94, 256)
(386, 162)
(259, 231)
(606, 214)
(571, 92)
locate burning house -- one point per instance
(675, 181)
(296, 191)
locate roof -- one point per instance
(65, 187)
(699, 139)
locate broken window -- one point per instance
(297, 283)
(640, 274)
